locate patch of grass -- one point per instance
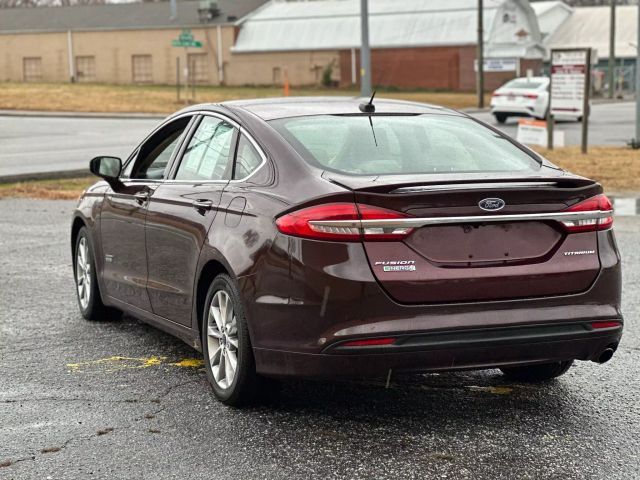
(162, 98)
(62, 189)
(616, 168)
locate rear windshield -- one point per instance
(524, 83)
(407, 144)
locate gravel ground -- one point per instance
(121, 399)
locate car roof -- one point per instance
(285, 107)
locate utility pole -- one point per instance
(480, 56)
(637, 139)
(365, 51)
(612, 49)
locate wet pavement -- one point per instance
(120, 399)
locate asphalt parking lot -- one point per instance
(120, 399)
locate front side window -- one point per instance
(402, 144)
(155, 154)
(209, 153)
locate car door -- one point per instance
(181, 212)
(124, 212)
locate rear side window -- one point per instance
(402, 144)
(247, 159)
(209, 153)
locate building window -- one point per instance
(86, 69)
(277, 76)
(199, 67)
(141, 68)
(32, 69)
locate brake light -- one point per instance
(531, 96)
(316, 223)
(598, 204)
(495, 94)
(605, 324)
(369, 342)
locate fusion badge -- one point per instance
(397, 265)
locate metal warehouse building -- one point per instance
(415, 43)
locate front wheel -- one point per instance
(537, 373)
(226, 347)
(87, 290)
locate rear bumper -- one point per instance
(444, 351)
(329, 295)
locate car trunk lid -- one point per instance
(458, 251)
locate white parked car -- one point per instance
(521, 97)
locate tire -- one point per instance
(537, 373)
(84, 274)
(501, 117)
(225, 341)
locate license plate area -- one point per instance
(485, 244)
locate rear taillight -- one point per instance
(315, 223)
(531, 96)
(605, 324)
(369, 342)
(598, 205)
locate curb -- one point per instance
(36, 113)
(26, 177)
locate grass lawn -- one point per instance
(162, 98)
(618, 169)
(62, 189)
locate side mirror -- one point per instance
(106, 167)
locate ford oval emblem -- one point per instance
(491, 204)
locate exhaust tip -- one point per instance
(605, 355)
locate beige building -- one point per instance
(120, 43)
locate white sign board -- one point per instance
(534, 132)
(568, 80)
(498, 65)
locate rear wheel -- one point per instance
(225, 342)
(87, 290)
(501, 117)
(537, 373)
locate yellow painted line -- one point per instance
(117, 362)
(189, 363)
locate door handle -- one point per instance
(202, 204)
(141, 197)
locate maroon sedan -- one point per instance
(321, 237)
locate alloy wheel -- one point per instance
(222, 339)
(83, 273)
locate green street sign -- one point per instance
(187, 44)
(185, 39)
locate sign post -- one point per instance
(185, 40)
(570, 87)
